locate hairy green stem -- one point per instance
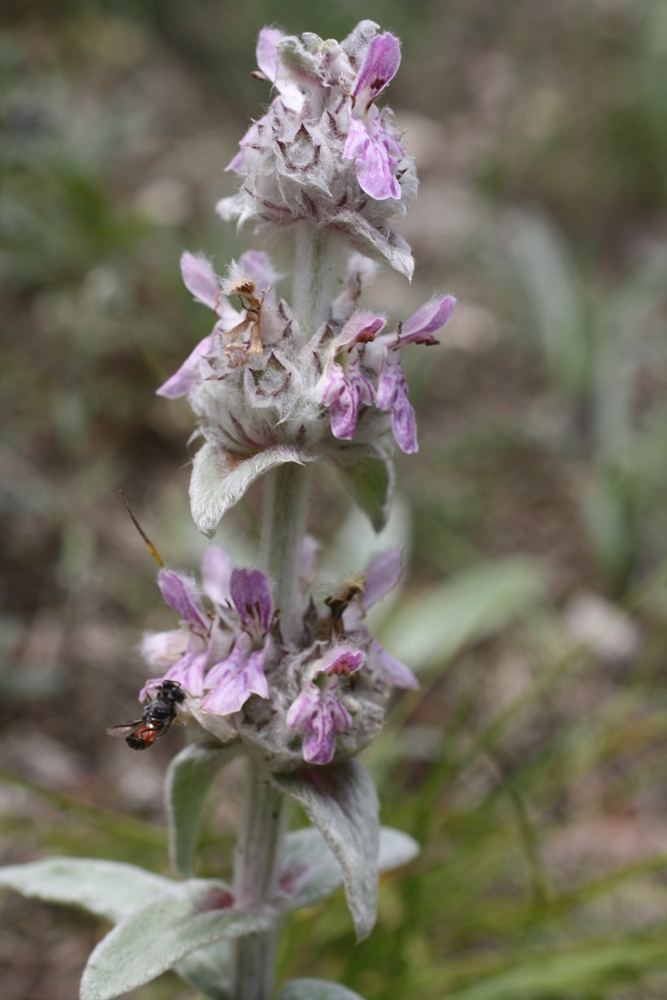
(259, 846)
(316, 259)
(286, 496)
(259, 851)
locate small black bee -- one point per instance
(156, 719)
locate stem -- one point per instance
(283, 527)
(315, 270)
(256, 871)
(259, 847)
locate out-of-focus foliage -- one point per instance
(531, 765)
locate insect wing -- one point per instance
(125, 729)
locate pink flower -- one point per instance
(186, 652)
(231, 681)
(200, 278)
(392, 387)
(343, 387)
(288, 92)
(369, 142)
(318, 711)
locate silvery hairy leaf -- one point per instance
(311, 872)
(113, 890)
(341, 801)
(184, 919)
(386, 247)
(315, 989)
(208, 970)
(109, 889)
(219, 479)
(370, 478)
(188, 781)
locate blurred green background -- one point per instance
(531, 766)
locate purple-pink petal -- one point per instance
(320, 715)
(251, 137)
(251, 594)
(331, 384)
(182, 594)
(393, 670)
(266, 52)
(357, 139)
(382, 575)
(380, 65)
(301, 710)
(376, 171)
(344, 413)
(200, 279)
(189, 374)
(432, 316)
(234, 679)
(340, 659)
(361, 328)
(360, 385)
(216, 574)
(392, 394)
(190, 669)
(337, 392)
(237, 162)
(162, 649)
(404, 425)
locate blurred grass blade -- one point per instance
(123, 827)
(573, 973)
(550, 281)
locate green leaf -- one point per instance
(312, 871)
(189, 778)
(219, 479)
(109, 889)
(370, 478)
(468, 607)
(208, 970)
(341, 801)
(315, 989)
(187, 918)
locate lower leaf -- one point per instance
(189, 917)
(189, 778)
(109, 889)
(208, 970)
(341, 801)
(311, 872)
(315, 989)
(369, 477)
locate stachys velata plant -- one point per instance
(256, 665)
